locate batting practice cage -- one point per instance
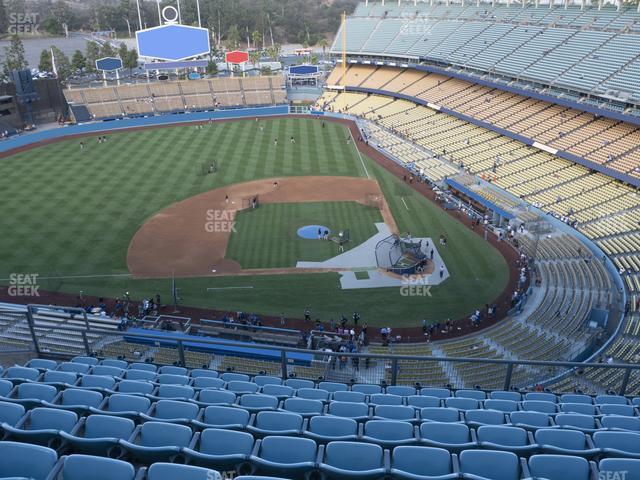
(399, 255)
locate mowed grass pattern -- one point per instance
(267, 237)
(69, 212)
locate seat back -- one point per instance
(37, 391)
(348, 409)
(474, 394)
(332, 386)
(367, 389)
(609, 467)
(561, 438)
(288, 450)
(107, 426)
(262, 380)
(395, 412)
(333, 426)
(500, 435)
(347, 396)
(451, 433)
(217, 396)
(173, 471)
(303, 406)
(623, 441)
(98, 381)
(51, 418)
(255, 400)
(175, 391)
(278, 421)
(624, 423)
(119, 402)
(203, 373)
(22, 460)
(352, 456)
(76, 396)
(496, 465)
(313, 394)
(576, 420)
(56, 376)
(485, 417)
(208, 382)
(160, 434)
(214, 441)
(559, 467)
(10, 413)
(388, 430)
(533, 419)
(173, 370)
(422, 461)
(220, 415)
(77, 467)
(232, 377)
(168, 409)
(135, 386)
(440, 414)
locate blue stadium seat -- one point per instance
(348, 396)
(42, 426)
(173, 370)
(474, 394)
(454, 437)
(208, 397)
(203, 373)
(352, 460)
(541, 396)
(326, 428)
(440, 414)
(559, 467)
(401, 390)
(81, 467)
(542, 406)
(171, 379)
(255, 402)
(618, 422)
(293, 457)
(618, 444)
(158, 442)
(148, 367)
(136, 386)
(222, 449)
(366, 388)
(506, 406)
(333, 386)
(389, 433)
(240, 387)
(385, 399)
(59, 379)
(504, 395)
(91, 361)
(617, 409)
(172, 471)
(421, 463)
(235, 377)
(489, 464)
(108, 370)
(81, 368)
(423, 401)
(32, 395)
(611, 400)
(565, 442)
(10, 413)
(395, 412)
(77, 400)
(262, 380)
(582, 408)
(356, 411)
(218, 416)
(172, 411)
(279, 391)
(303, 406)
(584, 423)
(610, 467)
(24, 461)
(208, 382)
(113, 362)
(636, 402)
(5, 388)
(98, 382)
(462, 403)
(137, 374)
(42, 364)
(276, 423)
(99, 434)
(576, 398)
(19, 374)
(297, 383)
(436, 392)
(530, 420)
(174, 392)
(510, 439)
(477, 418)
(313, 394)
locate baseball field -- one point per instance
(126, 214)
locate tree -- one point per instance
(254, 56)
(14, 57)
(233, 36)
(107, 50)
(52, 26)
(323, 43)
(266, 70)
(212, 67)
(78, 62)
(45, 61)
(4, 20)
(61, 61)
(256, 38)
(314, 59)
(130, 60)
(92, 54)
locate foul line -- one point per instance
(405, 203)
(353, 140)
(67, 277)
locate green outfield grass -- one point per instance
(68, 212)
(267, 237)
